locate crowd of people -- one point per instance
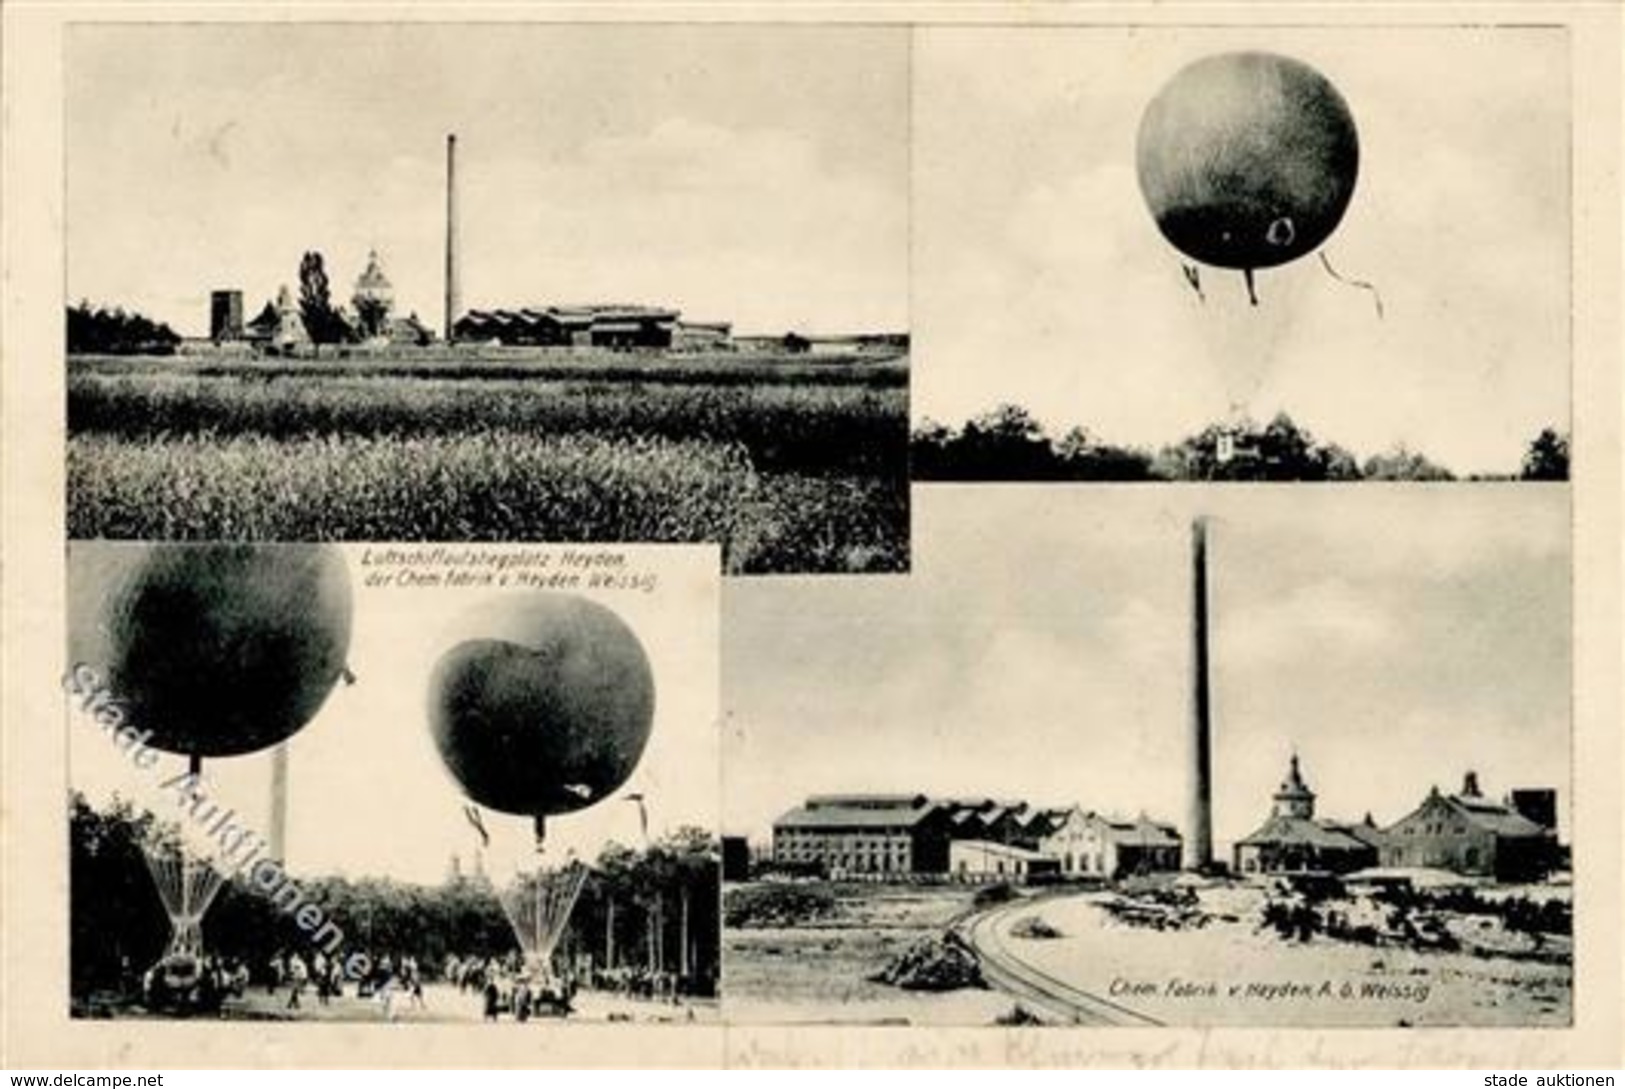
(504, 985)
(391, 980)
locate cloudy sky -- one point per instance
(1040, 277)
(1394, 637)
(368, 794)
(757, 175)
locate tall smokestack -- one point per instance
(453, 293)
(279, 804)
(1199, 817)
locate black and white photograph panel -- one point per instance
(1251, 757)
(492, 282)
(1194, 254)
(393, 783)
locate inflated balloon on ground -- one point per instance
(542, 704)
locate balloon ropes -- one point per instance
(538, 907)
(540, 706)
(187, 886)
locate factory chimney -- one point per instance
(1199, 816)
(453, 292)
(279, 804)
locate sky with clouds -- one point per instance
(1040, 277)
(758, 175)
(367, 792)
(1393, 637)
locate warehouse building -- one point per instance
(983, 860)
(1472, 835)
(622, 327)
(1088, 844)
(865, 834)
(913, 834)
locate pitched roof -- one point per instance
(1143, 832)
(1002, 850)
(1495, 817)
(859, 801)
(1300, 831)
(853, 817)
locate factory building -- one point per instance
(984, 860)
(865, 834)
(619, 327)
(1472, 835)
(1292, 840)
(1088, 844)
(912, 834)
(694, 336)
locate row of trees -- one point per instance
(113, 331)
(1008, 444)
(639, 907)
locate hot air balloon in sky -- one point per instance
(542, 705)
(1247, 161)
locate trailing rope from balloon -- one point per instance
(1366, 285)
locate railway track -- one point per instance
(1051, 996)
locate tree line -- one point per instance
(1009, 444)
(113, 331)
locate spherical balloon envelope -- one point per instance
(543, 706)
(221, 649)
(1247, 160)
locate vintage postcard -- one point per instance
(888, 535)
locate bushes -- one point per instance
(1033, 927)
(939, 963)
(776, 906)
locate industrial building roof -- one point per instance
(1143, 832)
(869, 801)
(1495, 817)
(853, 817)
(1002, 850)
(597, 313)
(1281, 829)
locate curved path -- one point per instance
(1058, 1000)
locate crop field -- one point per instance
(800, 468)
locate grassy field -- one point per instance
(819, 971)
(796, 468)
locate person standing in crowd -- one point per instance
(297, 975)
